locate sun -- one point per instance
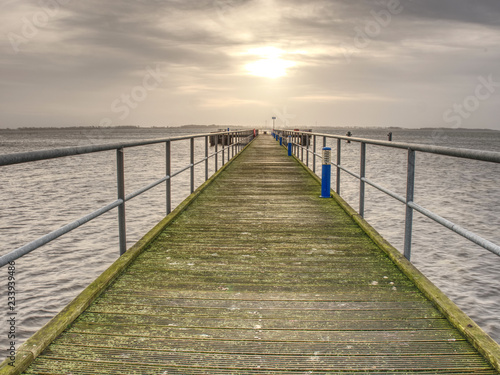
(271, 65)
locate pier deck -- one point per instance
(260, 275)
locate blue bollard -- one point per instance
(289, 145)
(281, 141)
(326, 173)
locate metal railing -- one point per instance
(301, 142)
(233, 143)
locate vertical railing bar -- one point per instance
(307, 150)
(192, 164)
(120, 173)
(361, 182)
(302, 148)
(228, 144)
(206, 157)
(314, 153)
(410, 192)
(223, 144)
(216, 153)
(339, 159)
(168, 160)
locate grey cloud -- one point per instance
(484, 12)
(93, 51)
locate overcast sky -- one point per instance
(408, 63)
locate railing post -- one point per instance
(362, 173)
(216, 153)
(326, 173)
(223, 149)
(281, 140)
(302, 148)
(206, 157)
(192, 165)
(120, 168)
(314, 153)
(339, 152)
(231, 140)
(228, 144)
(290, 145)
(169, 173)
(410, 191)
(307, 150)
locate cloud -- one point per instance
(88, 53)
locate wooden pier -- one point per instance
(255, 274)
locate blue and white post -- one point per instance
(326, 172)
(281, 140)
(289, 145)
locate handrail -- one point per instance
(489, 156)
(24, 157)
(235, 142)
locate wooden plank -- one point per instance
(267, 362)
(271, 347)
(261, 323)
(235, 312)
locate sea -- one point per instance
(39, 197)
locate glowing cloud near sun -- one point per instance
(271, 65)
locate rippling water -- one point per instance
(42, 196)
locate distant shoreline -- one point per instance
(124, 127)
(217, 127)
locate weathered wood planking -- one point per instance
(258, 276)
